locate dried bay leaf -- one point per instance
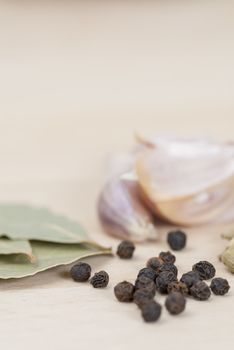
(228, 256)
(228, 235)
(47, 255)
(54, 240)
(23, 222)
(8, 246)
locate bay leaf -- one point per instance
(47, 255)
(8, 246)
(227, 256)
(23, 222)
(228, 235)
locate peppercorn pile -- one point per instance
(159, 276)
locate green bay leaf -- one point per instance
(23, 222)
(228, 256)
(228, 235)
(8, 246)
(47, 255)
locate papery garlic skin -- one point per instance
(187, 182)
(122, 212)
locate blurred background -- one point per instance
(78, 78)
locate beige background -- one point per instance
(77, 79)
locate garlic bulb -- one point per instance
(187, 182)
(122, 213)
(183, 181)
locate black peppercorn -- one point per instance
(147, 284)
(219, 286)
(175, 303)
(200, 291)
(189, 278)
(80, 272)
(154, 263)
(100, 279)
(168, 267)
(176, 239)
(205, 270)
(147, 272)
(125, 250)
(177, 287)
(151, 311)
(124, 291)
(142, 296)
(164, 279)
(167, 257)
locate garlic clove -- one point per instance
(187, 182)
(202, 208)
(122, 213)
(227, 216)
(180, 144)
(180, 173)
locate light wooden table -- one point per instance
(76, 80)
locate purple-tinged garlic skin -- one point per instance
(122, 212)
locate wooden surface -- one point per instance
(78, 78)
